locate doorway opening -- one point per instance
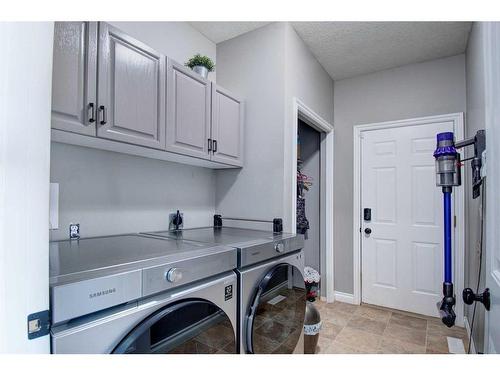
(308, 193)
(324, 186)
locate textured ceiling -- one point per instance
(347, 49)
(220, 31)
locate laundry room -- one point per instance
(251, 186)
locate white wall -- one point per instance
(25, 92)
(177, 40)
(306, 80)
(268, 67)
(252, 66)
(476, 113)
(424, 89)
(112, 193)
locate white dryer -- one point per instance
(271, 287)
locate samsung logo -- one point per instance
(102, 293)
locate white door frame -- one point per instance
(458, 201)
(302, 111)
(25, 88)
(492, 92)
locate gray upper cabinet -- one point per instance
(188, 112)
(131, 90)
(74, 77)
(126, 97)
(227, 127)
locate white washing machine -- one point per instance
(137, 294)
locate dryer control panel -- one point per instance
(171, 275)
(259, 252)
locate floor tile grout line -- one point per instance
(426, 334)
(356, 313)
(387, 325)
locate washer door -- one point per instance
(276, 317)
(186, 327)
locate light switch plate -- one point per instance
(54, 206)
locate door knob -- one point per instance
(368, 230)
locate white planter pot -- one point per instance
(201, 70)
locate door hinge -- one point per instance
(38, 324)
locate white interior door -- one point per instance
(492, 336)
(402, 257)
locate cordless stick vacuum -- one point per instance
(448, 174)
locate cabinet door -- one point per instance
(131, 90)
(188, 114)
(227, 127)
(74, 77)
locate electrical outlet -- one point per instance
(54, 206)
(74, 231)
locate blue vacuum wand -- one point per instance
(448, 175)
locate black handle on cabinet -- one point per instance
(92, 113)
(209, 145)
(214, 142)
(104, 120)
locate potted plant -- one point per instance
(201, 65)
(312, 320)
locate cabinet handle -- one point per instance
(209, 145)
(92, 113)
(102, 109)
(214, 142)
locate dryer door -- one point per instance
(275, 320)
(187, 327)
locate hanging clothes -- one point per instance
(302, 222)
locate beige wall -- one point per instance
(416, 90)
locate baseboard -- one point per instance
(344, 297)
(467, 328)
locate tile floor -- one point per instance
(369, 329)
